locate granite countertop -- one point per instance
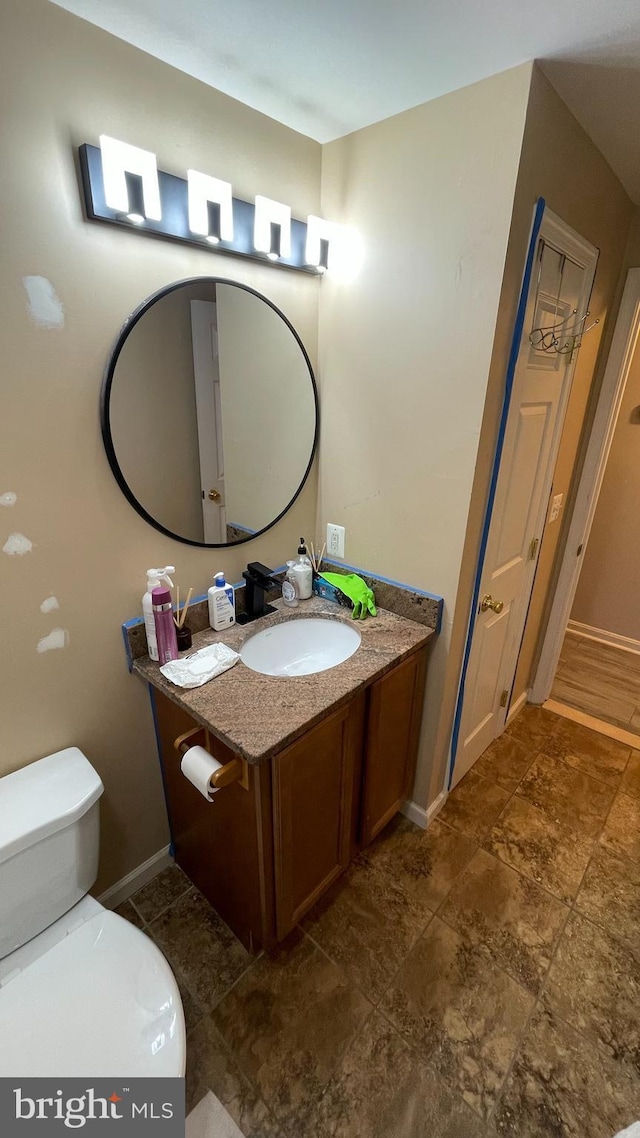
(258, 715)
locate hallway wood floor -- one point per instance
(600, 680)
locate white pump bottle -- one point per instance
(155, 577)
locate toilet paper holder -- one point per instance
(236, 770)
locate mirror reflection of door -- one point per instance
(206, 375)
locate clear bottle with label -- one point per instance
(289, 594)
(155, 577)
(302, 573)
(222, 604)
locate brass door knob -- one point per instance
(214, 495)
(489, 603)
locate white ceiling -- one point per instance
(328, 67)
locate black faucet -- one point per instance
(259, 578)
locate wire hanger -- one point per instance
(575, 336)
(558, 337)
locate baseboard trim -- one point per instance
(133, 881)
(419, 815)
(603, 637)
(516, 707)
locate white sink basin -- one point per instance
(300, 647)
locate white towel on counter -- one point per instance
(632, 1131)
(204, 665)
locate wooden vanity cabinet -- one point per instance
(264, 851)
(393, 734)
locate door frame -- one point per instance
(554, 231)
(619, 361)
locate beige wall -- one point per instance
(562, 165)
(607, 593)
(63, 82)
(406, 344)
(268, 410)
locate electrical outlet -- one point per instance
(556, 506)
(335, 540)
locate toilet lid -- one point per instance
(103, 1002)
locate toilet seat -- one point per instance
(101, 1002)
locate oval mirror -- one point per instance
(209, 412)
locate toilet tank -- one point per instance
(49, 843)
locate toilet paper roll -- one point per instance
(199, 766)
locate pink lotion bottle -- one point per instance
(165, 628)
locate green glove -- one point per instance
(356, 590)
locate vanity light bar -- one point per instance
(123, 186)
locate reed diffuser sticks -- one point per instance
(180, 617)
(316, 562)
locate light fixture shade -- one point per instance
(319, 233)
(202, 190)
(118, 159)
(267, 213)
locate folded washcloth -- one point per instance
(195, 670)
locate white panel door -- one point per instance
(206, 371)
(541, 388)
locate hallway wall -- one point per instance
(607, 596)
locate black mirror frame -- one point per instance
(105, 421)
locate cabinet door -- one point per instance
(314, 787)
(223, 846)
(393, 734)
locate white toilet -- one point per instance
(82, 992)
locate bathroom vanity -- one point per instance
(317, 765)
(314, 766)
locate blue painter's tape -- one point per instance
(127, 646)
(154, 714)
(138, 620)
(511, 367)
(396, 585)
(379, 577)
(243, 529)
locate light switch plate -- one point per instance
(556, 506)
(335, 540)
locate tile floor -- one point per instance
(476, 980)
(599, 679)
